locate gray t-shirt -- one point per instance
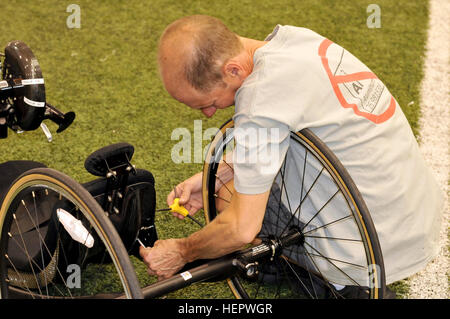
(303, 80)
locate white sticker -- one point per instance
(33, 103)
(32, 81)
(186, 275)
(3, 84)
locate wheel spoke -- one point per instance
(297, 247)
(281, 195)
(42, 240)
(298, 278)
(225, 200)
(318, 212)
(321, 275)
(26, 251)
(40, 243)
(303, 183)
(38, 268)
(329, 260)
(306, 195)
(335, 238)
(228, 164)
(339, 260)
(217, 176)
(329, 224)
(19, 274)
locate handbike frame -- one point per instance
(244, 261)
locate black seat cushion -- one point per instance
(114, 154)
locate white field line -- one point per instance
(432, 281)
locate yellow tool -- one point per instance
(179, 209)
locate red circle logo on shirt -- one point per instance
(358, 76)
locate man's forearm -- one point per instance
(216, 239)
(234, 227)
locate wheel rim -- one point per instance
(313, 266)
(36, 250)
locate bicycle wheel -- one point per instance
(314, 193)
(57, 242)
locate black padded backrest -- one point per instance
(114, 154)
(11, 170)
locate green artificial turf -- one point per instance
(106, 73)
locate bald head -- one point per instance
(193, 50)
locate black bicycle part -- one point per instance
(23, 104)
(20, 63)
(62, 119)
(110, 158)
(113, 163)
(127, 194)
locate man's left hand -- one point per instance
(164, 259)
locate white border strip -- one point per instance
(432, 282)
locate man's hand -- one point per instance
(190, 194)
(190, 191)
(164, 259)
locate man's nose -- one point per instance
(209, 111)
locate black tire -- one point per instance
(47, 188)
(20, 63)
(358, 215)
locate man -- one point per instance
(293, 80)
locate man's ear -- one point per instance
(232, 69)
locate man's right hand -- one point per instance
(190, 194)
